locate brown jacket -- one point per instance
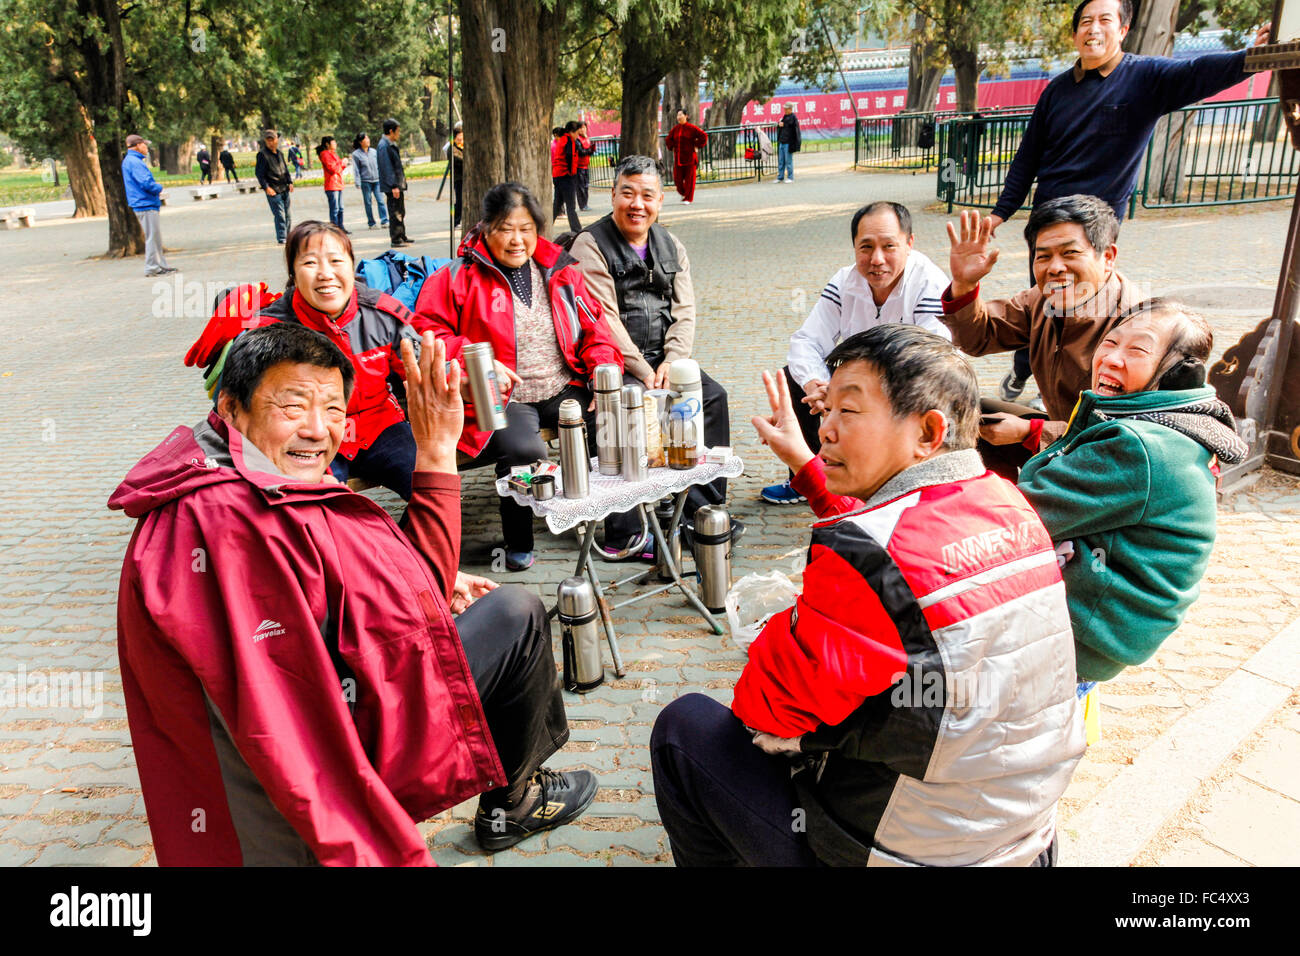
(1060, 347)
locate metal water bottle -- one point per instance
(484, 389)
(713, 555)
(664, 514)
(635, 466)
(580, 640)
(607, 383)
(574, 463)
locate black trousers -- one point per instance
(520, 443)
(620, 528)
(397, 216)
(584, 187)
(566, 197)
(507, 641)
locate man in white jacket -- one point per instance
(889, 283)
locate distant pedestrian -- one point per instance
(228, 164)
(273, 177)
(365, 165)
(788, 141)
(684, 139)
(333, 166)
(564, 174)
(142, 192)
(585, 151)
(295, 159)
(392, 180)
(205, 165)
(457, 172)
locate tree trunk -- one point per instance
(81, 156)
(924, 72)
(510, 58)
(105, 57)
(965, 64)
(1152, 33)
(681, 92)
(640, 112)
(169, 158)
(1269, 122)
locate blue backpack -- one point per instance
(398, 274)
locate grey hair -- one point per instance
(638, 166)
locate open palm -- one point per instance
(972, 254)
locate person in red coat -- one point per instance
(525, 296)
(297, 689)
(564, 174)
(333, 166)
(585, 151)
(684, 139)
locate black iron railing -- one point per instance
(732, 154)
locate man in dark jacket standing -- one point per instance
(228, 164)
(392, 180)
(205, 165)
(788, 139)
(273, 177)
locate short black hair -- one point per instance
(636, 165)
(1125, 14)
(871, 208)
(918, 371)
(504, 198)
(572, 126)
(1093, 214)
(391, 124)
(259, 349)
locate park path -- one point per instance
(91, 379)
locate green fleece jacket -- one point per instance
(1136, 497)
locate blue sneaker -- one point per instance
(782, 494)
(519, 560)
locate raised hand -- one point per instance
(433, 403)
(780, 431)
(972, 255)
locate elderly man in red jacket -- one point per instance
(297, 689)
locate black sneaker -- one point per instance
(551, 800)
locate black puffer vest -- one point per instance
(645, 289)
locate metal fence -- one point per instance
(1211, 154)
(1219, 153)
(732, 154)
(908, 141)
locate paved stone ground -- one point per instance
(91, 379)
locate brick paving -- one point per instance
(90, 379)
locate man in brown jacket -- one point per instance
(1077, 297)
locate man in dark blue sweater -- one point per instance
(1092, 123)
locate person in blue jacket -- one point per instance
(142, 192)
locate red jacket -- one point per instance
(333, 170)
(585, 151)
(470, 301)
(369, 332)
(564, 156)
(294, 682)
(684, 139)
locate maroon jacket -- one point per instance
(294, 682)
(470, 301)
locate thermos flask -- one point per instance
(580, 640)
(484, 389)
(608, 383)
(713, 555)
(635, 466)
(684, 378)
(574, 463)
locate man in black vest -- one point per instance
(639, 273)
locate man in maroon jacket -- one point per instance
(297, 690)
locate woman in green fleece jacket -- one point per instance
(1128, 493)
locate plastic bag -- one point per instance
(753, 600)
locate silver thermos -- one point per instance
(484, 389)
(712, 537)
(580, 640)
(574, 463)
(635, 463)
(664, 513)
(607, 384)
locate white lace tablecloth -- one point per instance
(611, 495)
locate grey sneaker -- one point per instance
(1011, 387)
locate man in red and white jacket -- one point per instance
(917, 704)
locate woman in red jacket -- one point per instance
(333, 167)
(525, 296)
(684, 139)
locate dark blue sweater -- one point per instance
(1089, 136)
